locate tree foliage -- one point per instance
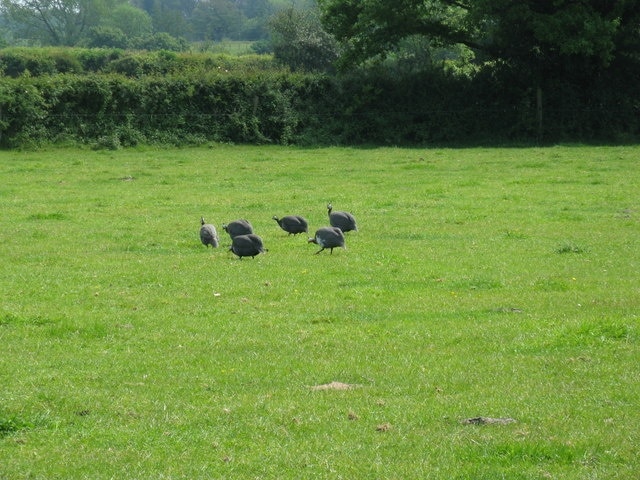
(300, 42)
(55, 22)
(169, 16)
(217, 20)
(133, 21)
(103, 22)
(529, 34)
(106, 37)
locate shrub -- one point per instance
(95, 60)
(17, 61)
(22, 111)
(107, 37)
(118, 98)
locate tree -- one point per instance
(170, 16)
(537, 35)
(133, 21)
(217, 20)
(54, 22)
(257, 13)
(299, 41)
(106, 37)
(255, 8)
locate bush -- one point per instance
(22, 114)
(95, 60)
(18, 61)
(113, 98)
(107, 37)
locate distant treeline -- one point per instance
(111, 98)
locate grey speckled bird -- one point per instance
(343, 220)
(293, 224)
(328, 237)
(238, 227)
(208, 234)
(247, 245)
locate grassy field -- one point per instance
(229, 47)
(499, 283)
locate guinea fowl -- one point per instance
(248, 245)
(343, 220)
(208, 234)
(328, 237)
(238, 227)
(293, 224)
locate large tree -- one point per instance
(216, 20)
(133, 21)
(299, 41)
(170, 16)
(54, 22)
(534, 34)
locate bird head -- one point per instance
(201, 220)
(312, 240)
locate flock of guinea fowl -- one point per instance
(245, 243)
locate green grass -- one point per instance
(481, 282)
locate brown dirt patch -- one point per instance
(334, 386)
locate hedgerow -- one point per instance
(17, 61)
(111, 98)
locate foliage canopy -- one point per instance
(81, 22)
(529, 34)
(55, 22)
(300, 42)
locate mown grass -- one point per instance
(482, 282)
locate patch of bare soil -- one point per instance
(334, 386)
(488, 421)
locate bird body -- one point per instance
(328, 237)
(248, 245)
(238, 227)
(343, 220)
(208, 234)
(293, 224)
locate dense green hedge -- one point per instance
(113, 110)
(19, 61)
(125, 99)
